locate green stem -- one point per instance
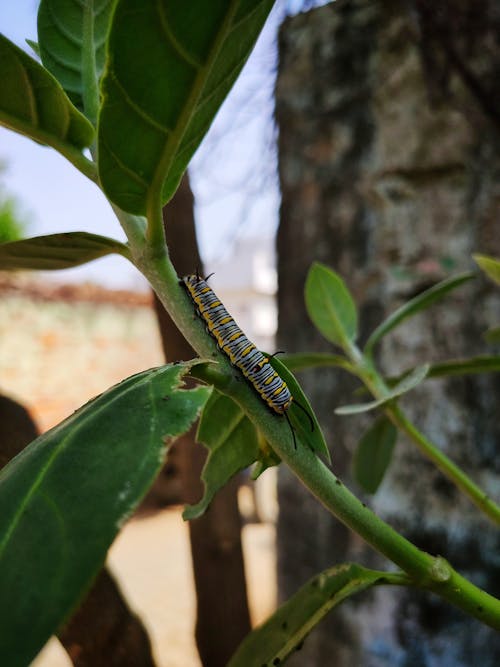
(155, 230)
(447, 467)
(428, 572)
(458, 477)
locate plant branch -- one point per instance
(447, 467)
(428, 572)
(374, 382)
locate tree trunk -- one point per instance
(223, 617)
(389, 168)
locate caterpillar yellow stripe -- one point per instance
(233, 342)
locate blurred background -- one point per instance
(361, 133)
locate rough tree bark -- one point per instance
(223, 617)
(389, 164)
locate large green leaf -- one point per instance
(285, 631)
(490, 266)
(72, 42)
(410, 381)
(330, 305)
(415, 305)
(170, 65)
(33, 103)
(66, 495)
(373, 454)
(233, 445)
(57, 251)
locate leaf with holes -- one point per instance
(65, 497)
(33, 103)
(57, 251)
(170, 65)
(285, 631)
(232, 441)
(72, 43)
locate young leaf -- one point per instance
(66, 495)
(72, 42)
(407, 383)
(34, 46)
(330, 305)
(300, 421)
(481, 364)
(490, 265)
(415, 305)
(492, 336)
(233, 445)
(284, 632)
(33, 103)
(301, 360)
(170, 65)
(374, 453)
(57, 251)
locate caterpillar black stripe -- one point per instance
(242, 353)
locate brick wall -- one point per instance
(62, 345)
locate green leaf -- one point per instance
(407, 383)
(373, 454)
(331, 306)
(33, 103)
(232, 441)
(57, 251)
(301, 360)
(72, 40)
(490, 266)
(301, 421)
(65, 497)
(492, 335)
(414, 306)
(170, 66)
(284, 632)
(481, 364)
(34, 45)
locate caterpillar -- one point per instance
(241, 352)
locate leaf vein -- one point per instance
(188, 57)
(59, 25)
(166, 131)
(247, 16)
(126, 170)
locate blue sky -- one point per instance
(235, 191)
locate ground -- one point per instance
(152, 562)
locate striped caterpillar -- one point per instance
(241, 352)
